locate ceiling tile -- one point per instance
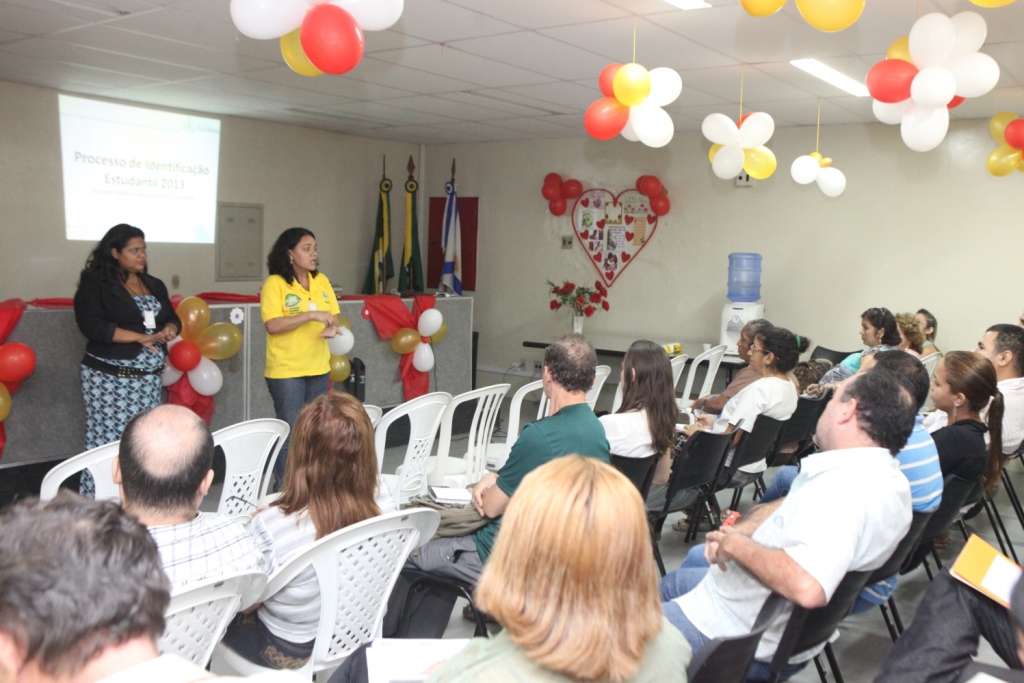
(541, 127)
(574, 96)
(505, 107)
(445, 107)
(378, 41)
(32, 21)
(438, 22)
(44, 48)
(1000, 99)
(374, 70)
(854, 67)
(544, 13)
(1010, 57)
(454, 63)
(190, 29)
(805, 112)
(342, 86)
(725, 82)
(537, 53)
(280, 93)
(388, 113)
(59, 73)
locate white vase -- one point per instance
(577, 324)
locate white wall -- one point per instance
(912, 230)
(321, 180)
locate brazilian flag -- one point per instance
(381, 267)
(411, 276)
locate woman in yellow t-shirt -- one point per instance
(298, 308)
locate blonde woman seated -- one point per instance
(911, 337)
(330, 482)
(571, 580)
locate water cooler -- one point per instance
(744, 294)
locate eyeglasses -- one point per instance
(754, 349)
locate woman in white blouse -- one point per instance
(330, 482)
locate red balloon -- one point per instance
(651, 186)
(889, 80)
(607, 79)
(640, 184)
(551, 191)
(956, 102)
(17, 362)
(557, 206)
(660, 205)
(331, 39)
(552, 179)
(1013, 134)
(743, 118)
(606, 118)
(12, 386)
(185, 355)
(571, 189)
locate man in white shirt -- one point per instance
(1004, 346)
(164, 471)
(847, 510)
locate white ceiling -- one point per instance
(476, 70)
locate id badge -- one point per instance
(312, 306)
(149, 320)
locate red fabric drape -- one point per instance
(10, 315)
(388, 315)
(228, 298)
(181, 393)
(53, 304)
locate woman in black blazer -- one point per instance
(128, 319)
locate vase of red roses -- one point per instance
(580, 300)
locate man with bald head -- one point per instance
(164, 470)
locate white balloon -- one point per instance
(629, 133)
(931, 40)
(832, 181)
(206, 378)
(341, 343)
(170, 375)
(933, 86)
(805, 170)
(430, 322)
(423, 358)
(976, 74)
(971, 31)
(266, 19)
(728, 162)
(652, 124)
(173, 342)
(890, 113)
(665, 86)
(757, 129)
(720, 129)
(924, 128)
(372, 15)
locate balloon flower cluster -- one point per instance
(430, 328)
(930, 72)
(632, 104)
(556, 191)
(824, 15)
(339, 346)
(199, 344)
(813, 167)
(740, 147)
(316, 37)
(17, 361)
(650, 187)
(1008, 130)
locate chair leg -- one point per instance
(938, 561)
(895, 614)
(833, 663)
(821, 670)
(694, 526)
(1014, 499)
(736, 496)
(1000, 528)
(888, 623)
(963, 528)
(927, 568)
(657, 552)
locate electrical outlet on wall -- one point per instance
(538, 366)
(743, 180)
(566, 241)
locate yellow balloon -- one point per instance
(195, 317)
(343, 321)
(762, 8)
(5, 402)
(830, 15)
(219, 341)
(295, 56)
(340, 368)
(714, 150)
(405, 340)
(1003, 161)
(998, 124)
(759, 162)
(440, 334)
(900, 49)
(992, 3)
(632, 84)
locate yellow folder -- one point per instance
(985, 569)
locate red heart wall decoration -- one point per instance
(600, 221)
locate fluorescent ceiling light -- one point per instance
(831, 76)
(689, 4)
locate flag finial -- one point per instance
(411, 167)
(453, 170)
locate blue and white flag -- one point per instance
(451, 276)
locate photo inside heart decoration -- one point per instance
(613, 229)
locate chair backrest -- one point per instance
(356, 568)
(678, 363)
(99, 461)
(424, 415)
(488, 404)
(930, 362)
(250, 451)
(757, 444)
(601, 374)
(836, 357)
(374, 412)
(640, 471)
(797, 429)
(714, 358)
(199, 615)
(515, 409)
(698, 464)
(906, 546)
(726, 660)
(955, 493)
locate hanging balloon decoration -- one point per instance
(17, 361)
(316, 37)
(992, 3)
(339, 346)
(930, 72)
(192, 354)
(417, 342)
(557, 192)
(813, 167)
(824, 15)
(1008, 130)
(740, 147)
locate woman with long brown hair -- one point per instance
(330, 482)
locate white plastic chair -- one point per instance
(600, 376)
(199, 615)
(425, 413)
(459, 472)
(930, 362)
(497, 453)
(714, 358)
(250, 451)
(356, 568)
(375, 414)
(99, 461)
(678, 363)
